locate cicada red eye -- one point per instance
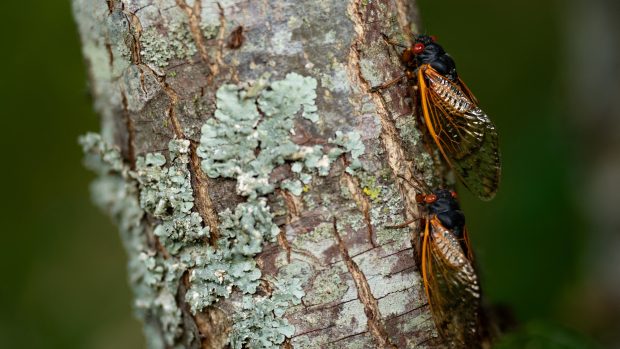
(429, 199)
(418, 48)
(453, 193)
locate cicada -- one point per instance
(463, 133)
(446, 261)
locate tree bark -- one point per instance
(251, 173)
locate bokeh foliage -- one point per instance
(62, 263)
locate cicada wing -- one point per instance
(464, 134)
(451, 286)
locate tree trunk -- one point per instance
(252, 174)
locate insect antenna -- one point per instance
(392, 42)
(419, 186)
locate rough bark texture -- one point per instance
(161, 70)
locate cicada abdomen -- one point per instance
(450, 280)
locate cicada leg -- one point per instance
(392, 42)
(388, 84)
(416, 239)
(403, 225)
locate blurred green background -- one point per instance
(62, 263)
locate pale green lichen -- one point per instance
(352, 143)
(287, 96)
(260, 323)
(294, 186)
(215, 273)
(409, 132)
(157, 297)
(326, 287)
(166, 193)
(370, 72)
(158, 49)
(153, 280)
(228, 141)
(247, 139)
(231, 264)
(100, 157)
(251, 135)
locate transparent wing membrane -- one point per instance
(464, 134)
(451, 286)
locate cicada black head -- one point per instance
(426, 51)
(424, 39)
(447, 209)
